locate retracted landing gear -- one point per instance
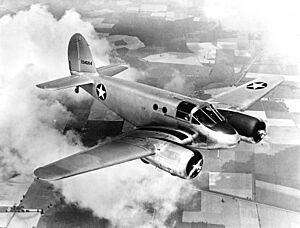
(76, 89)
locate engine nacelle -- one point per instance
(251, 129)
(176, 159)
(170, 153)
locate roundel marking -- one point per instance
(257, 85)
(101, 92)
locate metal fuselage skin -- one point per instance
(143, 105)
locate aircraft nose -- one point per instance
(225, 135)
(225, 128)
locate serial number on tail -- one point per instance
(86, 62)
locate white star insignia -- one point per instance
(196, 168)
(101, 92)
(257, 85)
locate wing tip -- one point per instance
(40, 174)
(41, 86)
(45, 86)
(44, 174)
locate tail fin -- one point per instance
(79, 55)
(80, 62)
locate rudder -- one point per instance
(79, 55)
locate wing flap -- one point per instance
(112, 153)
(66, 82)
(112, 69)
(244, 96)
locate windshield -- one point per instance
(207, 115)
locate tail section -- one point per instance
(82, 67)
(80, 64)
(79, 56)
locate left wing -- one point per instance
(122, 149)
(125, 148)
(244, 96)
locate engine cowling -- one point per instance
(170, 153)
(251, 129)
(194, 166)
(175, 159)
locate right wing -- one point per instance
(66, 82)
(120, 150)
(243, 96)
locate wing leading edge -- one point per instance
(120, 150)
(242, 97)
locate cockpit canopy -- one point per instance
(206, 114)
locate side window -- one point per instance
(183, 115)
(184, 110)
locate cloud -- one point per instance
(164, 77)
(132, 194)
(42, 40)
(180, 83)
(33, 49)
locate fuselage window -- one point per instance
(164, 110)
(183, 115)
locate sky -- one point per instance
(277, 19)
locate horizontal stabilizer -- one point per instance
(242, 97)
(112, 69)
(120, 150)
(66, 82)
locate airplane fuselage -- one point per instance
(143, 105)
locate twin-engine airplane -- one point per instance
(170, 128)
